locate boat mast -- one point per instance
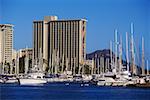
(71, 67)
(133, 68)
(82, 66)
(143, 62)
(111, 62)
(33, 58)
(92, 66)
(107, 65)
(57, 62)
(127, 55)
(62, 66)
(147, 68)
(17, 65)
(11, 67)
(53, 61)
(95, 63)
(50, 65)
(98, 65)
(67, 62)
(26, 61)
(120, 54)
(116, 43)
(40, 65)
(74, 68)
(102, 64)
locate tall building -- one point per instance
(40, 39)
(63, 42)
(6, 43)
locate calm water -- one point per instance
(59, 91)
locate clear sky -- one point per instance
(104, 16)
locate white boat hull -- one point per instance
(1, 81)
(12, 81)
(32, 81)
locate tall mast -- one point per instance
(50, 64)
(74, 68)
(40, 65)
(116, 43)
(92, 66)
(102, 64)
(107, 65)
(95, 63)
(17, 64)
(11, 67)
(62, 66)
(33, 58)
(143, 61)
(132, 52)
(57, 62)
(127, 55)
(71, 67)
(67, 64)
(53, 62)
(26, 61)
(120, 54)
(82, 68)
(98, 65)
(147, 68)
(111, 62)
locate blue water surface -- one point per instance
(74, 91)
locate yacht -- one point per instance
(33, 79)
(11, 80)
(105, 81)
(8, 79)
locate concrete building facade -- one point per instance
(40, 40)
(62, 42)
(6, 43)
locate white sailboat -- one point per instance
(36, 76)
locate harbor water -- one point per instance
(72, 91)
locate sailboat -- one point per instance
(36, 76)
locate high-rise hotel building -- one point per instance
(60, 41)
(6, 43)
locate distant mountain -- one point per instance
(99, 53)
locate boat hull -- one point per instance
(12, 81)
(32, 81)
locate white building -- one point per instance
(6, 44)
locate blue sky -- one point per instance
(104, 16)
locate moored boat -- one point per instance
(33, 79)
